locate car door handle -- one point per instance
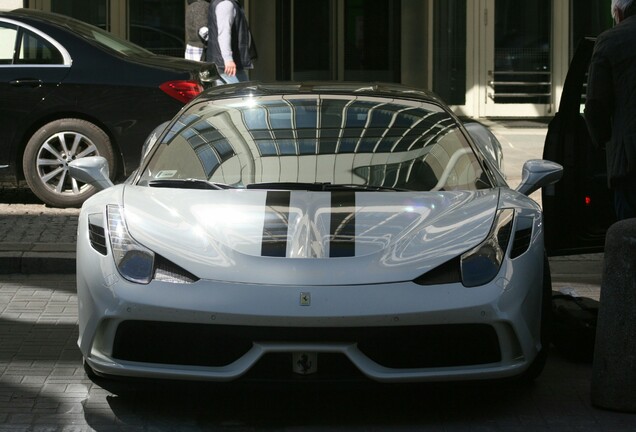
(26, 83)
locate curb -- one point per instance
(586, 268)
(37, 258)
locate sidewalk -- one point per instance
(35, 238)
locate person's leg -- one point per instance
(625, 202)
(242, 76)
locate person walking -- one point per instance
(610, 108)
(196, 18)
(230, 44)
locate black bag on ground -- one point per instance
(574, 326)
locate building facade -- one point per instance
(485, 58)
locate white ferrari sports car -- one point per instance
(314, 231)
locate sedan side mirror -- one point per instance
(538, 173)
(92, 170)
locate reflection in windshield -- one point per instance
(318, 139)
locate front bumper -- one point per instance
(399, 332)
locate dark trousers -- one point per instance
(625, 201)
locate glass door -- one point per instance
(306, 39)
(158, 25)
(352, 40)
(516, 70)
(451, 54)
(371, 40)
(91, 11)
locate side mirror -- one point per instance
(92, 170)
(538, 173)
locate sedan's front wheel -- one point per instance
(48, 153)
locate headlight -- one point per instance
(134, 262)
(481, 264)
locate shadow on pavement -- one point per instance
(557, 400)
(258, 406)
(18, 196)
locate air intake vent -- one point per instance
(521, 242)
(449, 272)
(97, 234)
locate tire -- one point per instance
(51, 148)
(536, 367)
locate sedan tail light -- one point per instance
(183, 91)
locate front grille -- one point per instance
(433, 346)
(179, 343)
(393, 347)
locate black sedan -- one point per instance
(71, 90)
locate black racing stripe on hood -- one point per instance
(276, 224)
(342, 241)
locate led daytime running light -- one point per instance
(134, 262)
(481, 265)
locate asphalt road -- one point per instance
(43, 388)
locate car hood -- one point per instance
(306, 237)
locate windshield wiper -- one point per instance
(188, 184)
(361, 187)
(320, 186)
(289, 186)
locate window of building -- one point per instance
(372, 40)
(158, 25)
(353, 40)
(449, 51)
(91, 11)
(589, 19)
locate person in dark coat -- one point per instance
(230, 44)
(610, 108)
(196, 18)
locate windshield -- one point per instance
(366, 143)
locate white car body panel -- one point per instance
(398, 236)
(274, 299)
(396, 252)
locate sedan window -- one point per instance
(34, 49)
(8, 35)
